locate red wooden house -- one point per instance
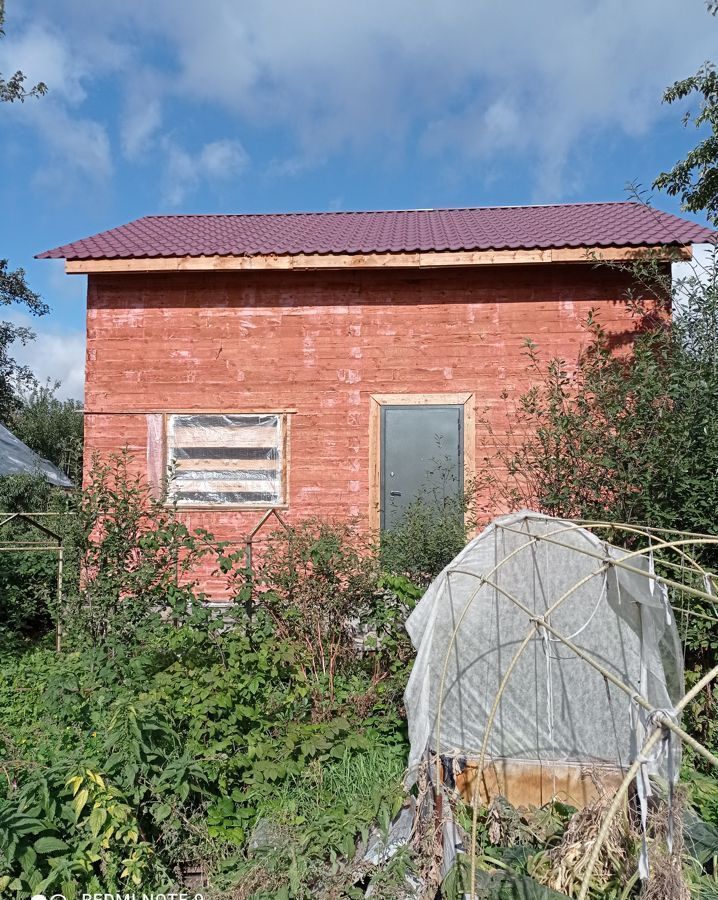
(319, 362)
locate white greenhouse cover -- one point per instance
(17, 458)
(556, 707)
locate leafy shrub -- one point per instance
(166, 735)
(165, 732)
(134, 558)
(60, 831)
(703, 794)
(28, 579)
(51, 427)
(629, 437)
(425, 540)
(433, 530)
(320, 584)
(194, 737)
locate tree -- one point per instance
(14, 88)
(13, 376)
(13, 286)
(628, 438)
(695, 178)
(51, 427)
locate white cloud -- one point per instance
(478, 80)
(59, 357)
(457, 80)
(216, 161)
(43, 56)
(78, 148)
(67, 62)
(223, 159)
(55, 354)
(482, 131)
(139, 126)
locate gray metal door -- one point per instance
(422, 454)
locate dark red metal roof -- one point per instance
(624, 224)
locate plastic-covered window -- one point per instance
(226, 460)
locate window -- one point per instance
(235, 460)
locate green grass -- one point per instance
(361, 783)
(316, 818)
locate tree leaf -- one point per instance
(46, 845)
(78, 804)
(97, 819)
(162, 811)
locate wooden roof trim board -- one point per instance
(211, 411)
(304, 261)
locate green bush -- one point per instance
(321, 585)
(432, 531)
(28, 579)
(632, 438)
(629, 437)
(51, 427)
(131, 559)
(131, 766)
(166, 736)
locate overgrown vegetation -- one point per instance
(28, 578)
(632, 438)
(258, 751)
(434, 527)
(167, 738)
(51, 427)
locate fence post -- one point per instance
(58, 624)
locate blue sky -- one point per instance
(160, 106)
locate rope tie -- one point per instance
(651, 568)
(708, 584)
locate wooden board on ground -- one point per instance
(531, 783)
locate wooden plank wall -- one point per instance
(321, 344)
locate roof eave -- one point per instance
(327, 261)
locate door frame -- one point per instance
(376, 401)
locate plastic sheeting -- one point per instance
(555, 705)
(17, 458)
(156, 463)
(225, 459)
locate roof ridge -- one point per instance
(364, 212)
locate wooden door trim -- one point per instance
(376, 401)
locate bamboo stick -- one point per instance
(630, 775)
